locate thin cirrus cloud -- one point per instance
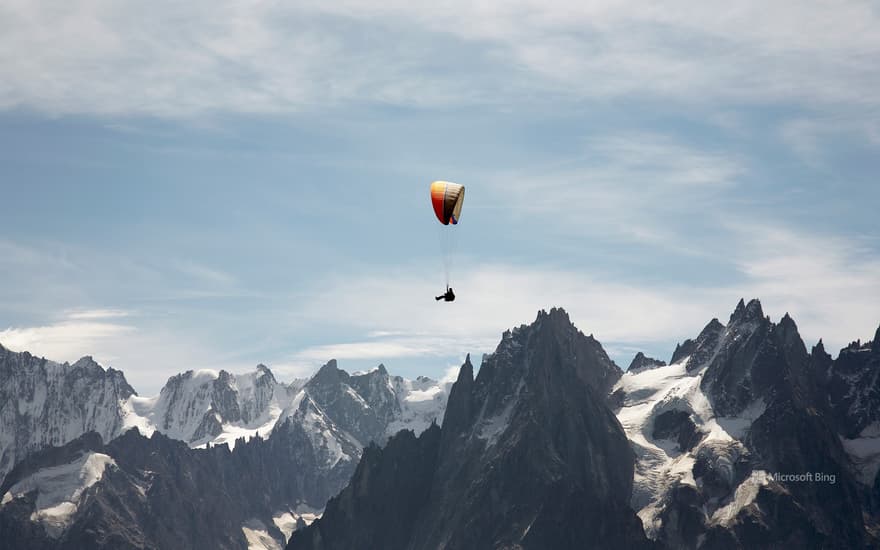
(823, 282)
(172, 59)
(830, 285)
(639, 187)
(97, 314)
(377, 349)
(75, 334)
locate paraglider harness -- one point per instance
(448, 297)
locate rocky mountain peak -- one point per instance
(699, 350)
(554, 332)
(746, 313)
(176, 380)
(753, 358)
(642, 362)
(789, 327)
(557, 324)
(87, 367)
(44, 403)
(363, 404)
(819, 358)
(328, 374)
(460, 404)
(264, 372)
(87, 362)
(555, 315)
(499, 478)
(875, 345)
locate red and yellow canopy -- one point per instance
(447, 198)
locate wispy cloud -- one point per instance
(809, 137)
(203, 274)
(97, 314)
(386, 348)
(640, 187)
(170, 59)
(70, 337)
(831, 287)
(147, 354)
(495, 297)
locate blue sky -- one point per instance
(220, 184)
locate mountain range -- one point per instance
(82, 453)
(745, 439)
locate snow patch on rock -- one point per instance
(864, 451)
(60, 489)
(258, 537)
(745, 495)
(660, 464)
(422, 401)
(287, 520)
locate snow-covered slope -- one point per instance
(59, 490)
(724, 435)
(665, 458)
(678, 431)
(207, 406)
(421, 402)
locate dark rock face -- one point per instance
(683, 518)
(699, 350)
(365, 412)
(43, 403)
(529, 456)
(402, 469)
(679, 426)
(720, 468)
(162, 494)
(641, 362)
(741, 363)
(852, 382)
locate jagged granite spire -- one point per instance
(696, 351)
(502, 477)
(745, 313)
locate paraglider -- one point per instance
(449, 296)
(447, 199)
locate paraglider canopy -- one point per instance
(447, 198)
